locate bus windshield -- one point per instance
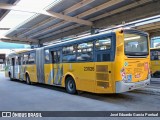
(135, 44)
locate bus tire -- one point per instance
(70, 85)
(28, 81)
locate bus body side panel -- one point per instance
(96, 77)
(31, 70)
(83, 74)
(48, 74)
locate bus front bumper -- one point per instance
(124, 87)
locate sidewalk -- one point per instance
(153, 88)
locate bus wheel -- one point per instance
(70, 85)
(28, 79)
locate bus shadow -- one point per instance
(113, 98)
(57, 88)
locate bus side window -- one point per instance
(103, 44)
(47, 58)
(85, 52)
(69, 53)
(31, 59)
(103, 47)
(25, 59)
(19, 60)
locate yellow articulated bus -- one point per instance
(22, 66)
(155, 62)
(110, 62)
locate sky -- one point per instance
(5, 45)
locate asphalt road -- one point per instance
(18, 96)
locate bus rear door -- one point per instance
(57, 67)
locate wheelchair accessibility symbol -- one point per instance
(125, 63)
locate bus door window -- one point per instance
(31, 59)
(57, 73)
(25, 59)
(55, 56)
(47, 56)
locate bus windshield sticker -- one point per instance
(123, 74)
(129, 78)
(137, 75)
(125, 63)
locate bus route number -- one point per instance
(88, 68)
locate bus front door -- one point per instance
(20, 61)
(13, 68)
